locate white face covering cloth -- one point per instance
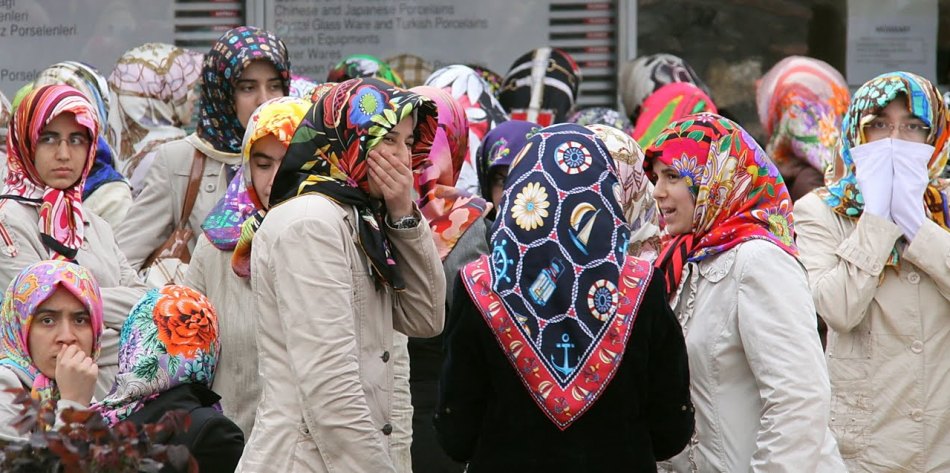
(893, 173)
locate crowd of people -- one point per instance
(404, 269)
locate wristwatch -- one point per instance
(404, 223)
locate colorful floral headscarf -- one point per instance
(500, 147)
(449, 211)
(645, 75)
(668, 104)
(740, 195)
(218, 122)
(152, 84)
(329, 149)
(541, 86)
(841, 187)
(559, 291)
(602, 116)
(639, 206)
(170, 338)
(33, 286)
(62, 217)
(278, 117)
(481, 109)
(94, 86)
(411, 68)
(801, 102)
(364, 65)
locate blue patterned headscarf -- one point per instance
(559, 291)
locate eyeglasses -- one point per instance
(910, 131)
(74, 142)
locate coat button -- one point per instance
(917, 347)
(387, 429)
(917, 415)
(914, 278)
(385, 356)
(877, 268)
(210, 187)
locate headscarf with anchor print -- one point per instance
(559, 291)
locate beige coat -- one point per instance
(111, 201)
(757, 375)
(157, 209)
(325, 337)
(889, 339)
(236, 378)
(119, 285)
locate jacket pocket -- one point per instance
(305, 455)
(850, 416)
(853, 345)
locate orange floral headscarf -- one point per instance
(169, 339)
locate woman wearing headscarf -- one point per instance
(246, 67)
(363, 65)
(154, 86)
(645, 75)
(52, 327)
(639, 206)
(482, 110)
(801, 102)
(757, 371)
(497, 151)
(456, 219)
(562, 353)
(668, 104)
(876, 245)
(170, 349)
(541, 86)
(222, 273)
(52, 149)
(342, 260)
(106, 192)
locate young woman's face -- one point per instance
(674, 199)
(496, 183)
(60, 321)
(266, 156)
(895, 121)
(396, 146)
(61, 151)
(259, 83)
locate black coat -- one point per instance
(214, 440)
(487, 417)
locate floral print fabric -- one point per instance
(841, 188)
(645, 75)
(328, 152)
(170, 338)
(22, 298)
(152, 83)
(739, 192)
(639, 206)
(670, 102)
(801, 102)
(61, 221)
(558, 290)
(449, 211)
(218, 123)
(482, 110)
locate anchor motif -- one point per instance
(565, 369)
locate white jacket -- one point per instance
(757, 373)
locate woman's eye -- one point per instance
(47, 320)
(82, 320)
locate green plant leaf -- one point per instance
(147, 368)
